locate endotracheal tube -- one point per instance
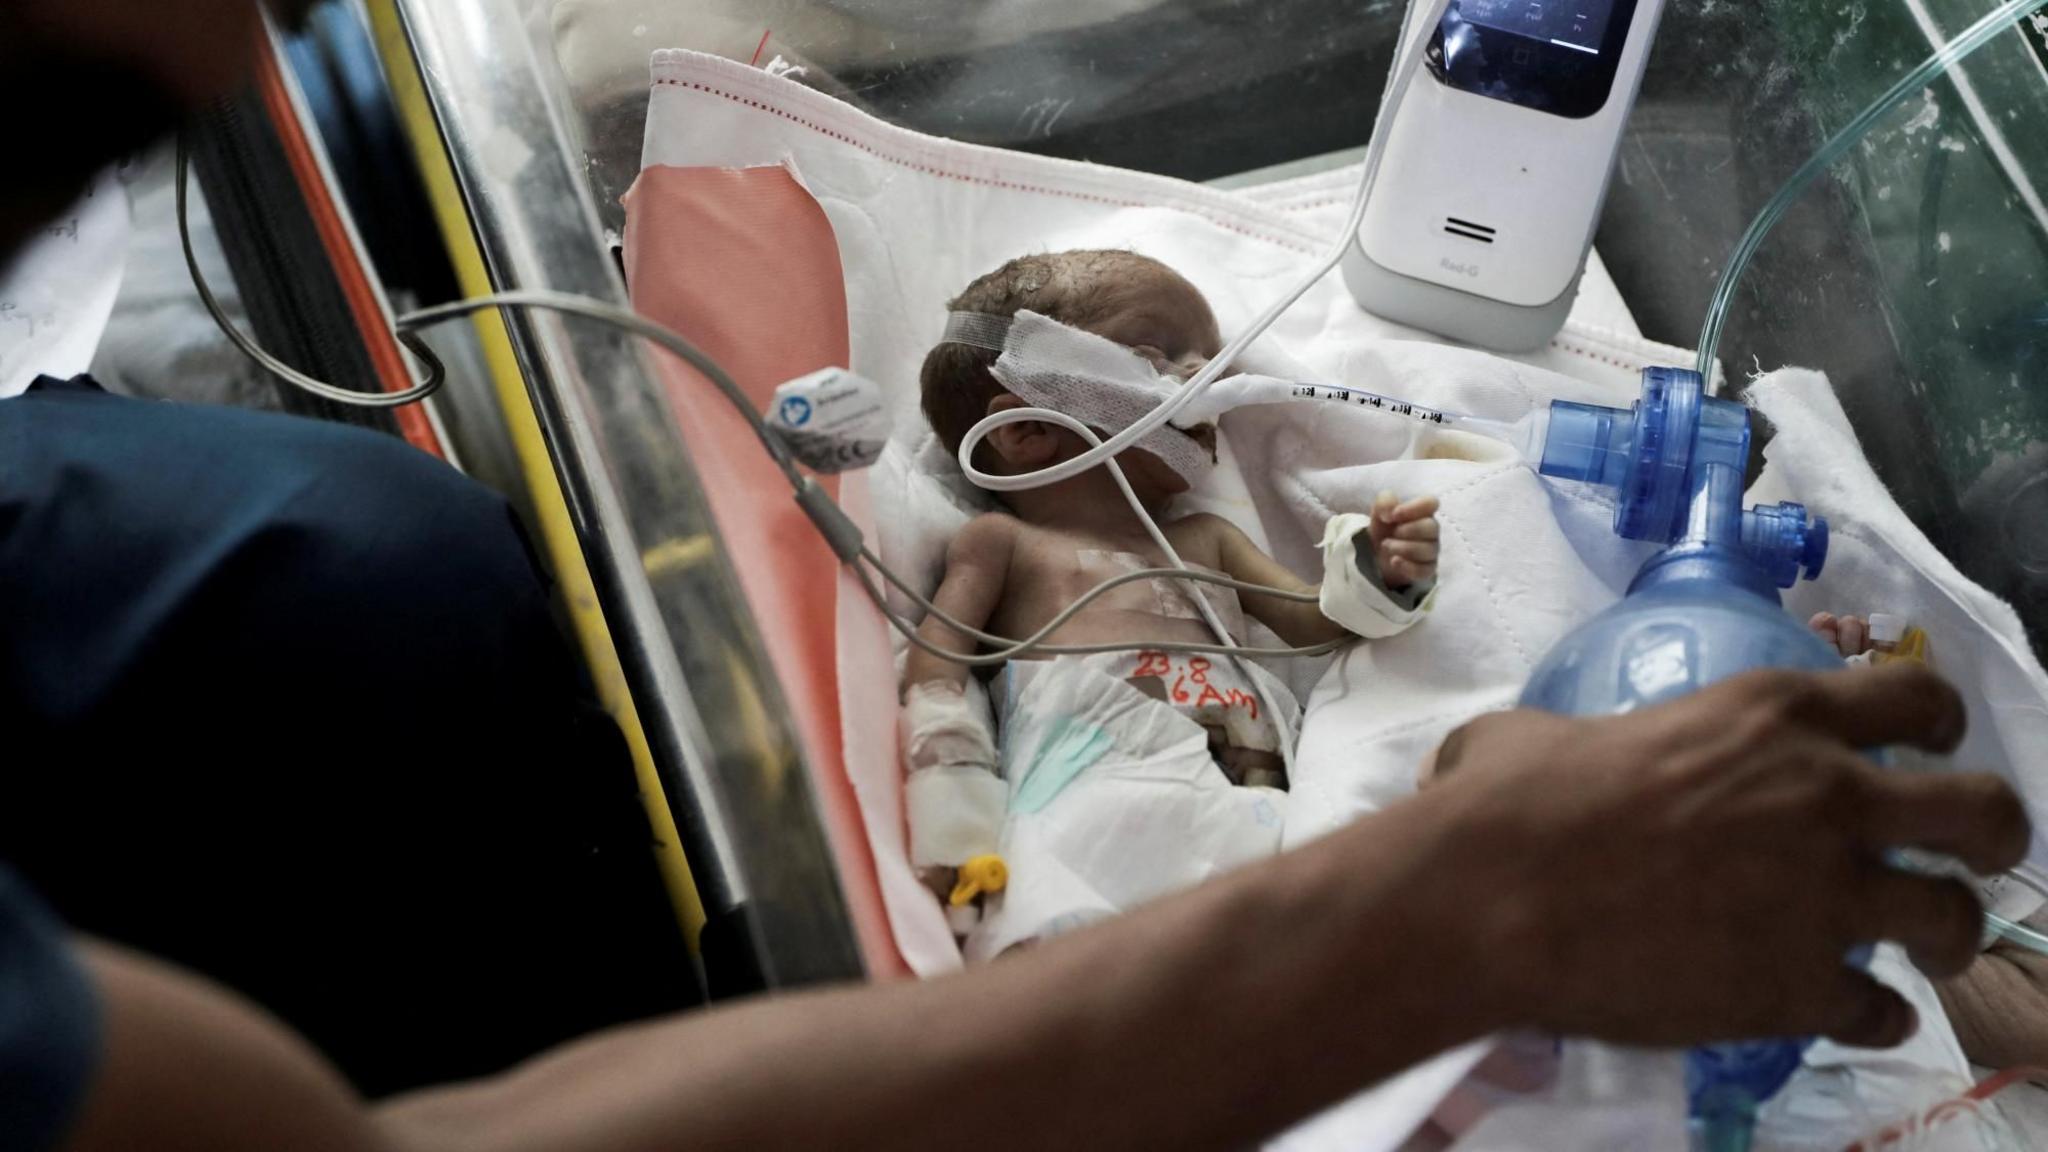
(1526, 435)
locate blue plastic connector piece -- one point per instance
(1655, 495)
(1674, 462)
(1588, 442)
(1647, 454)
(1724, 1083)
(1783, 543)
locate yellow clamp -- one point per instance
(980, 876)
(1912, 646)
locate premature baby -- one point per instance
(1010, 572)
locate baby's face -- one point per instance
(1160, 316)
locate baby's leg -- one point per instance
(1245, 767)
(1252, 768)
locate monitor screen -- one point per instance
(1554, 56)
(1579, 24)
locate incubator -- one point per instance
(1915, 276)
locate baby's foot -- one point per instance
(940, 879)
(1251, 768)
(1849, 635)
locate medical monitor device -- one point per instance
(1496, 167)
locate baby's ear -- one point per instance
(1026, 444)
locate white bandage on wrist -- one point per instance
(955, 814)
(944, 724)
(953, 800)
(1354, 594)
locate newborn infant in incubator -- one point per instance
(1091, 761)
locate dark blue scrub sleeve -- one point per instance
(49, 1024)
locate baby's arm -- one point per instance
(1299, 623)
(953, 796)
(977, 566)
(1404, 553)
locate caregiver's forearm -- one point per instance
(1665, 878)
(1205, 1021)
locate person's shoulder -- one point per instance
(50, 1035)
(988, 538)
(991, 526)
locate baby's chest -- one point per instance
(1124, 581)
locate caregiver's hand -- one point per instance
(1697, 871)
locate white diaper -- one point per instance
(1114, 797)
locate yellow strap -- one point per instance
(557, 531)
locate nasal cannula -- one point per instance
(1525, 435)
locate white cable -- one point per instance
(606, 313)
(634, 323)
(257, 355)
(1165, 546)
(1399, 78)
(1132, 577)
(1011, 651)
(674, 342)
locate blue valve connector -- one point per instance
(1656, 458)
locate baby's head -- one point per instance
(1121, 296)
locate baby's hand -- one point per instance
(1849, 635)
(1404, 539)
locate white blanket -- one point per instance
(918, 218)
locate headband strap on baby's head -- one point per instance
(977, 330)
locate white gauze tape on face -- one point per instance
(1095, 380)
(1262, 374)
(976, 330)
